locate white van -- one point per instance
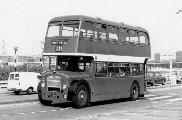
(23, 82)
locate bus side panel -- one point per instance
(109, 48)
(106, 88)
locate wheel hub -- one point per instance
(82, 96)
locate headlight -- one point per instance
(43, 84)
(64, 86)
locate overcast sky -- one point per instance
(23, 23)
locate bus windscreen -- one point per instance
(66, 28)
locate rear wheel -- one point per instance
(134, 91)
(81, 97)
(30, 91)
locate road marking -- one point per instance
(146, 96)
(67, 108)
(61, 109)
(158, 98)
(17, 104)
(174, 100)
(43, 111)
(156, 102)
(53, 110)
(21, 113)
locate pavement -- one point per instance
(7, 97)
(163, 86)
(124, 115)
(3, 91)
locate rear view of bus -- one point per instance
(88, 59)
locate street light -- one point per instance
(16, 49)
(170, 66)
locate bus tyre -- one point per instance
(81, 97)
(43, 102)
(29, 91)
(17, 92)
(134, 91)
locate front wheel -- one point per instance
(81, 97)
(134, 91)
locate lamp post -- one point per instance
(16, 49)
(171, 69)
(170, 56)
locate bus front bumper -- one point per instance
(54, 96)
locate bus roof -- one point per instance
(97, 20)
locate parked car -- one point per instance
(154, 78)
(179, 81)
(23, 82)
(150, 79)
(159, 79)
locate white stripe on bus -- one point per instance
(101, 57)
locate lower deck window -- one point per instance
(110, 69)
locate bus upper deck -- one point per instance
(87, 35)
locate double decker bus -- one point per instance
(88, 59)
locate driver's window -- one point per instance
(52, 63)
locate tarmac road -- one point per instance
(159, 103)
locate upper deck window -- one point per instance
(133, 36)
(113, 33)
(100, 31)
(87, 29)
(65, 28)
(70, 28)
(122, 34)
(143, 38)
(53, 29)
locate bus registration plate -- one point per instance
(53, 94)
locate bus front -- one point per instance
(61, 62)
(62, 36)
